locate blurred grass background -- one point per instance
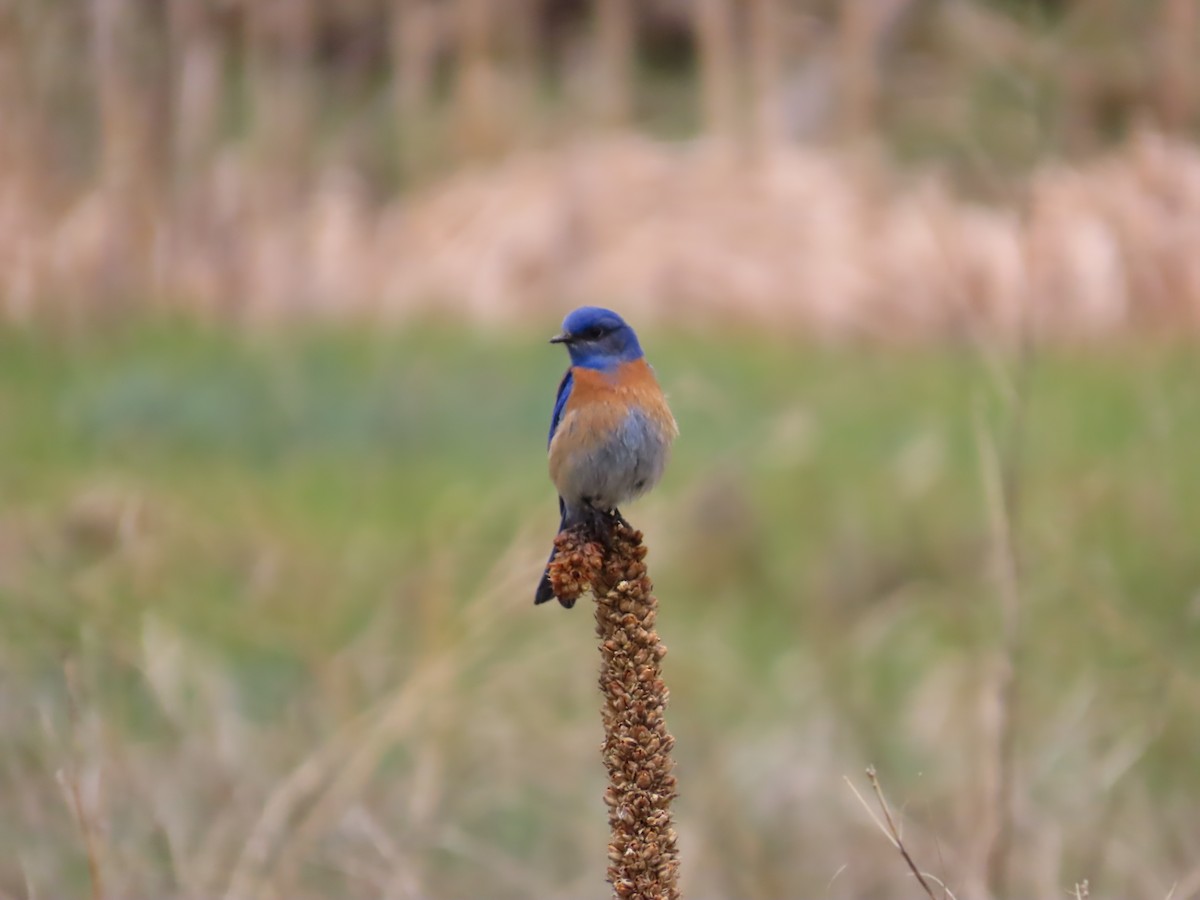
(309, 556)
(275, 279)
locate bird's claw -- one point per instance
(601, 522)
(615, 518)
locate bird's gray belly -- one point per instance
(625, 465)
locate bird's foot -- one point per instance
(615, 518)
(600, 526)
(598, 523)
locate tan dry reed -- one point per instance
(643, 859)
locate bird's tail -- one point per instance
(545, 590)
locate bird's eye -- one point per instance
(594, 333)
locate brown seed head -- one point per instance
(642, 853)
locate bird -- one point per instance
(611, 430)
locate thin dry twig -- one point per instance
(1186, 887)
(69, 779)
(1001, 473)
(895, 832)
(892, 832)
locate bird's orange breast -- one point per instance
(598, 405)
(607, 397)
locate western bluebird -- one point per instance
(611, 429)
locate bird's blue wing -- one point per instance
(560, 403)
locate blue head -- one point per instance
(598, 339)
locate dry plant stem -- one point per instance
(1002, 486)
(1176, 93)
(859, 80)
(475, 92)
(766, 67)
(643, 860)
(718, 66)
(70, 781)
(997, 836)
(888, 827)
(615, 33)
(413, 46)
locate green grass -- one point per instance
(255, 550)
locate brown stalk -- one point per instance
(615, 31)
(1176, 93)
(127, 68)
(857, 26)
(718, 65)
(281, 45)
(415, 36)
(475, 92)
(197, 63)
(766, 66)
(643, 859)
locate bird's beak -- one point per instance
(563, 338)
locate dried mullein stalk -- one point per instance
(643, 860)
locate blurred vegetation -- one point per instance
(258, 160)
(293, 572)
(401, 89)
